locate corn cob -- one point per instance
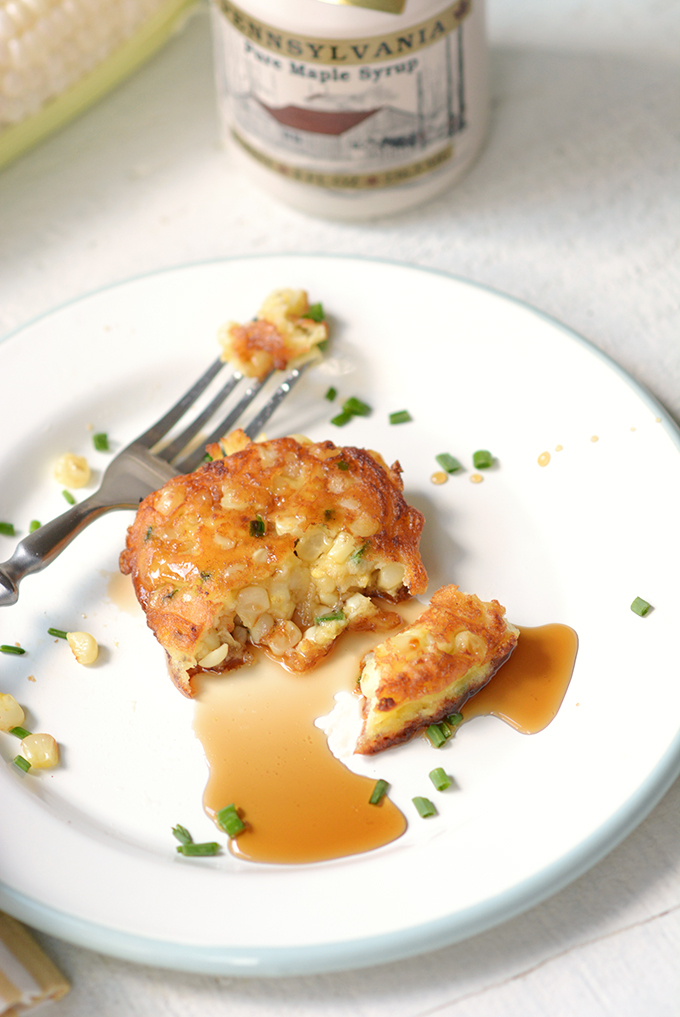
(57, 57)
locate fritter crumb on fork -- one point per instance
(283, 333)
(281, 544)
(430, 669)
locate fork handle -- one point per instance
(41, 547)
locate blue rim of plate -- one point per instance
(357, 953)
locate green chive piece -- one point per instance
(204, 576)
(149, 531)
(101, 441)
(315, 312)
(357, 555)
(448, 462)
(198, 850)
(182, 834)
(438, 734)
(22, 763)
(207, 458)
(342, 465)
(440, 778)
(7, 529)
(19, 732)
(69, 497)
(331, 393)
(34, 525)
(356, 407)
(454, 719)
(640, 606)
(322, 346)
(12, 649)
(400, 417)
(482, 459)
(341, 419)
(59, 633)
(379, 792)
(333, 616)
(257, 527)
(424, 806)
(230, 821)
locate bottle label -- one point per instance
(352, 113)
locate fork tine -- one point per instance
(191, 461)
(182, 440)
(258, 422)
(162, 426)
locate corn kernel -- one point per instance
(11, 714)
(84, 646)
(71, 470)
(41, 751)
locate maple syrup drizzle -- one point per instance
(528, 690)
(299, 802)
(267, 757)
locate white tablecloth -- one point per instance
(574, 206)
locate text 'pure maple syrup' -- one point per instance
(300, 803)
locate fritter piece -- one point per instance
(281, 334)
(428, 671)
(280, 544)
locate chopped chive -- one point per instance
(379, 792)
(101, 441)
(342, 465)
(257, 527)
(341, 419)
(448, 462)
(22, 763)
(356, 407)
(331, 393)
(230, 821)
(196, 850)
(315, 312)
(182, 834)
(7, 529)
(69, 497)
(438, 734)
(440, 778)
(149, 531)
(19, 732)
(640, 606)
(454, 719)
(205, 576)
(207, 458)
(34, 525)
(357, 555)
(322, 346)
(328, 513)
(332, 616)
(482, 459)
(424, 806)
(12, 649)
(400, 417)
(59, 633)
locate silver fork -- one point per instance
(143, 466)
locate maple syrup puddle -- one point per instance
(299, 802)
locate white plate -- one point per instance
(86, 851)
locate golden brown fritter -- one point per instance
(280, 544)
(283, 333)
(427, 672)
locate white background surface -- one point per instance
(573, 206)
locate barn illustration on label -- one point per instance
(362, 115)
